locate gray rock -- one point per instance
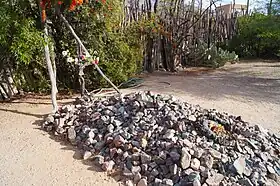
(85, 129)
(91, 134)
(135, 143)
(59, 131)
(216, 154)
(144, 167)
(99, 145)
(153, 164)
(135, 169)
(195, 164)
(142, 182)
(185, 159)
(98, 159)
(137, 177)
(207, 161)
(224, 158)
(277, 170)
(245, 182)
(196, 183)
(215, 180)
(173, 169)
(270, 169)
(247, 171)
(239, 165)
(164, 169)
(127, 173)
(198, 153)
(108, 165)
(119, 141)
(145, 158)
(276, 135)
(192, 118)
(157, 182)
(205, 173)
(135, 157)
(252, 143)
(261, 129)
(128, 183)
(263, 156)
(155, 172)
(174, 155)
(71, 134)
(193, 176)
(271, 182)
(249, 150)
(238, 148)
(87, 155)
(167, 182)
(49, 119)
(110, 128)
(169, 134)
(188, 143)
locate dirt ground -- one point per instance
(29, 157)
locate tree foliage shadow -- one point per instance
(23, 113)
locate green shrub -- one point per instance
(258, 36)
(119, 50)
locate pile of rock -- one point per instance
(158, 140)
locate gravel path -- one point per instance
(29, 157)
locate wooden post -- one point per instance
(49, 62)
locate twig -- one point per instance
(87, 53)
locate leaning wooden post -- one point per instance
(50, 67)
(87, 53)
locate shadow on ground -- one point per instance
(23, 113)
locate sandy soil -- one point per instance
(29, 157)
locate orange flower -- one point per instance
(80, 2)
(44, 16)
(72, 5)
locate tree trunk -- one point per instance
(163, 53)
(247, 8)
(149, 61)
(50, 67)
(51, 71)
(269, 11)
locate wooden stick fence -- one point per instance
(184, 27)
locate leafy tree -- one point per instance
(258, 36)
